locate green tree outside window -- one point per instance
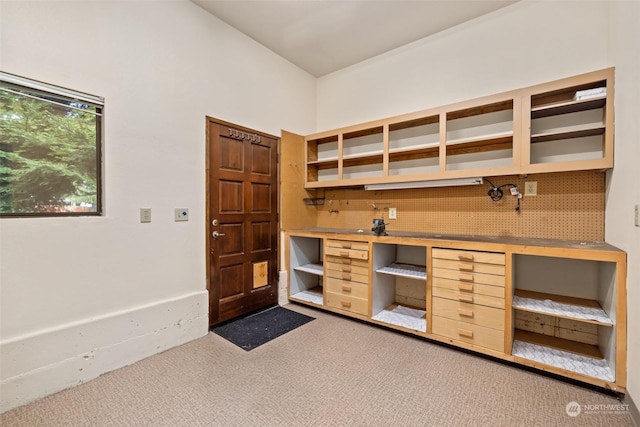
(49, 153)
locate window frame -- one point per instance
(72, 95)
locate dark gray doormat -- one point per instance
(256, 329)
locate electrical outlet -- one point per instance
(181, 214)
(637, 220)
(145, 214)
(531, 188)
(393, 213)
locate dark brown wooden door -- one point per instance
(242, 231)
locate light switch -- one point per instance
(181, 214)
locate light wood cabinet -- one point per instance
(468, 305)
(564, 125)
(555, 306)
(345, 288)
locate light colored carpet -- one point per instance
(332, 371)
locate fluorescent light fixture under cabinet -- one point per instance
(424, 184)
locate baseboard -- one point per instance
(283, 298)
(633, 410)
(38, 364)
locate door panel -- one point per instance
(242, 186)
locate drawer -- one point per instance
(463, 276)
(347, 244)
(349, 277)
(469, 313)
(363, 264)
(469, 297)
(347, 253)
(468, 266)
(460, 255)
(474, 288)
(348, 303)
(466, 332)
(343, 287)
(348, 265)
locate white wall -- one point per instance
(81, 296)
(520, 45)
(524, 44)
(623, 190)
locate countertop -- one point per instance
(498, 240)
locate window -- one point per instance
(50, 149)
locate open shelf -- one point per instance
(313, 295)
(564, 354)
(362, 159)
(568, 107)
(316, 269)
(476, 143)
(405, 270)
(579, 309)
(328, 161)
(587, 130)
(406, 317)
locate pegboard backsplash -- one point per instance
(569, 206)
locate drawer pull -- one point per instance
(346, 276)
(466, 277)
(467, 287)
(346, 269)
(346, 245)
(346, 289)
(345, 304)
(465, 333)
(465, 298)
(465, 313)
(344, 253)
(465, 267)
(465, 256)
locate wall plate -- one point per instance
(181, 214)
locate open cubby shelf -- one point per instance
(579, 309)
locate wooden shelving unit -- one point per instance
(536, 129)
(550, 305)
(567, 132)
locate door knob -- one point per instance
(215, 234)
